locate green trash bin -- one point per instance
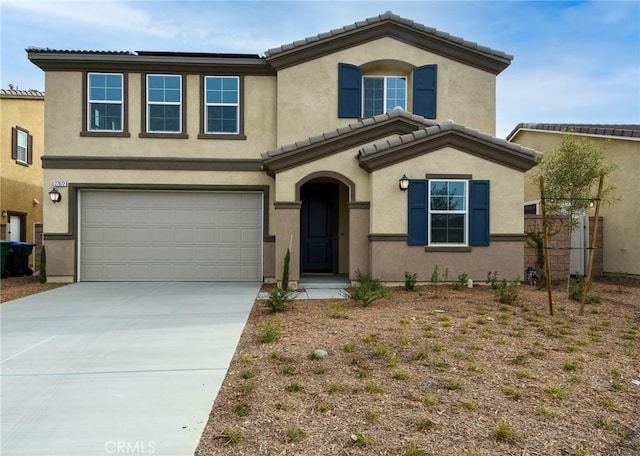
(4, 249)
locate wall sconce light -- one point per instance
(55, 195)
(4, 213)
(591, 203)
(403, 183)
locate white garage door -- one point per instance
(170, 236)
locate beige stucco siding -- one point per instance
(389, 214)
(20, 184)
(308, 93)
(65, 102)
(622, 219)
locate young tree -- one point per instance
(571, 175)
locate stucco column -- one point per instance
(287, 224)
(358, 237)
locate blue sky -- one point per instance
(574, 61)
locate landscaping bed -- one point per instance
(18, 287)
(436, 371)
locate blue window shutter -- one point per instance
(349, 90)
(424, 91)
(479, 212)
(417, 230)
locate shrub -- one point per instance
(279, 299)
(461, 282)
(42, 277)
(503, 432)
(576, 288)
(410, 281)
(231, 436)
(507, 292)
(368, 290)
(492, 279)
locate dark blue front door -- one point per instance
(317, 227)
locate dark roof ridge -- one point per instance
(444, 127)
(395, 113)
(621, 130)
(390, 17)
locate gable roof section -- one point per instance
(447, 134)
(389, 25)
(618, 131)
(364, 131)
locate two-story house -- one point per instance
(21, 145)
(207, 167)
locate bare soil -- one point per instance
(18, 287)
(437, 372)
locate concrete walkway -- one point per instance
(116, 368)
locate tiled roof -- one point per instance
(443, 128)
(352, 127)
(16, 93)
(388, 16)
(622, 130)
(36, 50)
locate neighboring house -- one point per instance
(621, 229)
(22, 144)
(197, 166)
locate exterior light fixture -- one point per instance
(404, 183)
(4, 213)
(55, 195)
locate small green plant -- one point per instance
(274, 355)
(319, 370)
(461, 282)
(42, 276)
(279, 299)
(231, 436)
(242, 409)
(246, 388)
(616, 385)
(361, 440)
(523, 373)
(270, 329)
(294, 387)
(607, 402)
(513, 393)
(421, 355)
(470, 404)
(282, 406)
(507, 292)
(410, 281)
(368, 289)
(335, 388)
(454, 384)
(401, 375)
(430, 400)
(435, 279)
(348, 348)
(521, 360)
(555, 392)
(382, 350)
(492, 279)
(576, 288)
(369, 339)
(504, 432)
(570, 366)
(289, 369)
(338, 310)
(247, 374)
(294, 433)
(545, 410)
(246, 359)
(373, 415)
(424, 424)
(414, 450)
(362, 373)
(372, 387)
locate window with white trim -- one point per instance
(382, 94)
(448, 212)
(105, 102)
(164, 103)
(222, 104)
(21, 146)
(22, 142)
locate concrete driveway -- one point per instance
(116, 368)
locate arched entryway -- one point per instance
(324, 225)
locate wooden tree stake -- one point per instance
(545, 243)
(592, 250)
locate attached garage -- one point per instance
(128, 235)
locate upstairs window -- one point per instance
(105, 102)
(21, 146)
(164, 103)
(367, 96)
(382, 94)
(222, 104)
